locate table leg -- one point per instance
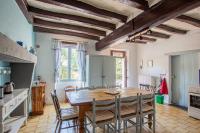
(82, 110)
(150, 119)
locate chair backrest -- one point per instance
(147, 99)
(98, 105)
(129, 101)
(147, 87)
(56, 104)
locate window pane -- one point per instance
(119, 64)
(74, 64)
(64, 75)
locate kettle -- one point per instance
(8, 87)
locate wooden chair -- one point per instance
(147, 87)
(147, 107)
(128, 108)
(101, 114)
(69, 89)
(63, 114)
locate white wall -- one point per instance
(161, 50)
(45, 64)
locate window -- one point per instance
(69, 64)
(121, 67)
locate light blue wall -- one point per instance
(13, 23)
(15, 26)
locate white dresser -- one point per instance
(13, 111)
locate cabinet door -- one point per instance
(109, 74)
(94, 71)
(185, 75)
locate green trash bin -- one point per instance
(160, 99)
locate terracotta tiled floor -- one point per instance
(169, 119)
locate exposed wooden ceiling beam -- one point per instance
(23, 5)
(154, 16)
(86, 8)
(140, 4)
(171, 29)
(53, 15)
(189, 20)
(144, 38)
(62, 32)
(157, 34)
(40, 22)
(136, 41)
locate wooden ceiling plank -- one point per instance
(157, 34)
(86, 8)
(23, 5)
(62, 32)
(189, 20)
(53, 15)
(154, 16)
(171, 29)
(140, 4)
(40, 22)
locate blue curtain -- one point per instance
(82, 62)
(57, 55)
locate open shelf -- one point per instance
(13, 124)
(12, 52)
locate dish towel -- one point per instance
(163, 88)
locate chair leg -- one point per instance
(115, 127)
(141, 123)
(93, 129)
(85, 124)
(104, 128)
(137, 124)
(124, 126)
(154, 123)
(119, 126)
(60, 126)
(57, 123)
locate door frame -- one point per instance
(125, 63)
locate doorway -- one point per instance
(121, 67)
(184, 75)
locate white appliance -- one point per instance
(194, 102)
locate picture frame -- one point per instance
(150, 63)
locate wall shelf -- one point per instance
(10, 51)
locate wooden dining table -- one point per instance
(83, 99)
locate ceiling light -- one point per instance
(141, 37)
(149, 32)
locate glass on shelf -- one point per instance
(4, 71)
(9, 71)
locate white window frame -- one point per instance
(69, 64)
